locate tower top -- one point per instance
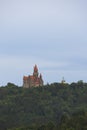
(35, 68)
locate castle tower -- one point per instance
(35, 73)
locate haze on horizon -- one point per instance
(49, 33)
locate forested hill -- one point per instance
(47, 106)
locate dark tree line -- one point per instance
(54, 106)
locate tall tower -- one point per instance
(35, 73)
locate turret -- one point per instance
(41, 80)
(40, 76)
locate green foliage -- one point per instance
(11, 85)
(52, 107)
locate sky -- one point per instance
(49, 33)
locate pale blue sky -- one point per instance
(49, 33)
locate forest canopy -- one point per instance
(54, 106)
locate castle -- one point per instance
(34, 80)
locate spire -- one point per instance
(35, 68)
(35, 73)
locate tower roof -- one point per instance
(35, 68)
